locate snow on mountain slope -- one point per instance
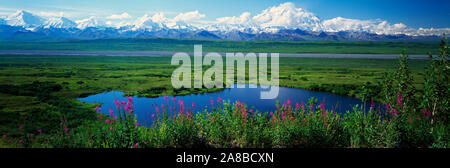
(88, 22)
(287, 16)
(24, 19)
(59, 22)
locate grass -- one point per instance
(38, 93)
(186, 45)
(81, 76)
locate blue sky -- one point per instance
(414, 13)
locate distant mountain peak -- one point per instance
(24, 19)
(88, 22)
(59, 22)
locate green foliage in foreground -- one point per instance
(406, 121)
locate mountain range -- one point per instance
(26, 26)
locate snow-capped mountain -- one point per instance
(24, 19)
(149, 23)
(282, 22)
(59, 22)
(88, 22)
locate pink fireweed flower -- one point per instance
(303, 106)
(174, 99)
(322, 106)
(157, 108)
(394, 111)
(137, 124)
(271, 114)
(166, 97)
(193, 104)
(39, 131)
(297, 105)
(426, 112)
(219, 100)
(311, 107)
(117, 102)
(107, 121)
(99, 117)
(136, 145)
(212, 102)
(111, 112)
(292, 118)
(372, 105)
(21, 127)
(97, 108)
(110, 128)
(289, 102)
(153, 115)
(399, 100)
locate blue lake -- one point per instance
(143, 106)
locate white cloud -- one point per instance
(432, 31)
(244, 18)
(376, 26)
(124, 15)
(51, 14)
(159, 17)
(188, 16)
(286, 15)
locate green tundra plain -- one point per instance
(42, 89)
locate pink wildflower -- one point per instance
(394, 111)
(399, 100)
(303, 106)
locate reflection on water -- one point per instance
(143, 106)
